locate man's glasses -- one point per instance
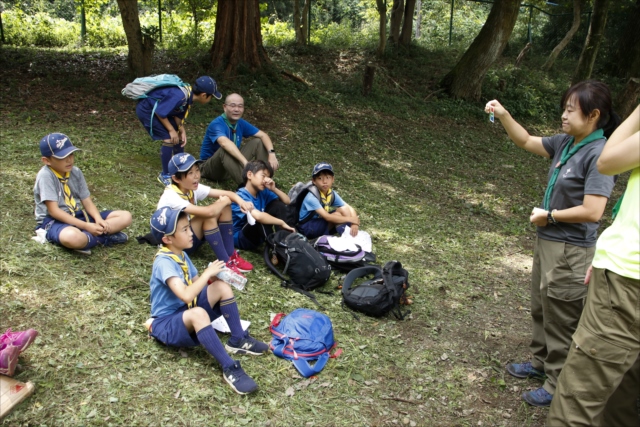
(235, 105)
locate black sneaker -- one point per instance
(239, 380)
(524, 370)
(115, 239)
(247, 345)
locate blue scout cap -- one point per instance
(182, 162)
(207, 85)
(321, 167)
(164, 222)
(56, 145)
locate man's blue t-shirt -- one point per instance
(163, 300)
(217, 128)
(172, 102)
(311, 203)
(260, 202)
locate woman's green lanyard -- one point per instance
(567, 153)
(231, 127)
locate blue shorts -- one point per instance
(55, 227)
(315, 228)
(170, 329)
(196, 244)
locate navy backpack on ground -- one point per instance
(292, 252)
(379, 295)
(301, 336)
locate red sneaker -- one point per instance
(9, 360)
(242, 264)
(22, 340)
(231, 265)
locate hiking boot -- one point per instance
(165, 179)
(85, 252)
(247, 345)
(239, 380)
(524, 370)
(231, 265)
(21, 340)
(242, 264)
(115, 238)
(539, 397)
(9, 360)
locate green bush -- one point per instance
(277, 33)
(39, 30)
(344, 36)
(105, 31)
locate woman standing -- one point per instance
(567, 222)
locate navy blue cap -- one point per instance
(182, 162)
(56, 145)
(207, 85)
(321, 167)
(164, 222)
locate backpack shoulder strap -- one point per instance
(359, 272)
(391, 269)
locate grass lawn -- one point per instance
(438, 187)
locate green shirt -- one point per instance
(618, 248)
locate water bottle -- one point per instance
(231, 277)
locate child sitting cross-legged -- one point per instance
(211, 223)
(183, 303)
(327, 213)
(269, 207)
(74, 224)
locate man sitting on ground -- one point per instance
(227, 132)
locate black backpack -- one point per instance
(297, 194)
(378, 296)
(306, 268)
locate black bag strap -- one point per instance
(357, 273)
(391, 269)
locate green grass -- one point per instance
(438, 187)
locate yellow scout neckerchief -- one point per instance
(183, 265)
(189, 197)
(326, 200)
(69, 200)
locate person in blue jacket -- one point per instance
(166, 122)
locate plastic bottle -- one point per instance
(232, 278)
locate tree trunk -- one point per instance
(407, 25)
(382, 11)
(592, 42)
(140, 56)
(367, 83)
(237, 40)
(194, 12)
(627, 99)
(418, 18)
(567, 38)
(465, 80)
(301, 21)
(397, 11)
(625, 61)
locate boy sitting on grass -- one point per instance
(183, 304)
(269, 207)
(213, 222)
(69, 223)
(328, 214)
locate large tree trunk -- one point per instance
(465, 80)
(140, 56)
(301, 21)
(567, 38)
(407, 25)
(592, 42)
(382, 11)
(237, 40)
(627, 99)
(625, 61)
(397, 11)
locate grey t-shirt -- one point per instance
(49, 188)
(577, 178)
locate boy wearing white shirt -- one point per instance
(211, 223)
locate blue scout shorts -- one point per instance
(55, 227)
(171, 330)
